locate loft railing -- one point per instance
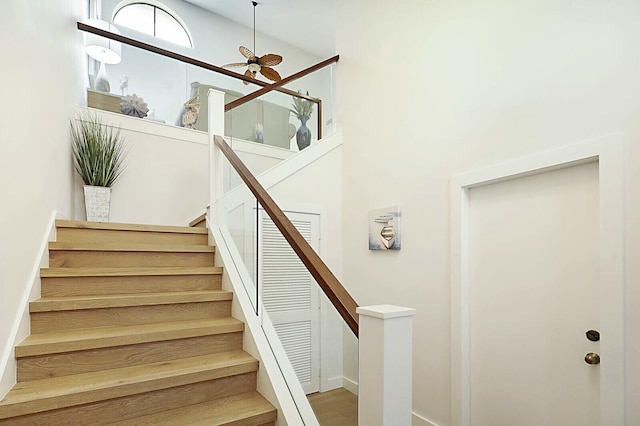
(277, 85)
(266, 87)
(330, 285)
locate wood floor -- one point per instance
(338, 407)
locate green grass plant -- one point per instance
(301, 107)
(98, 150)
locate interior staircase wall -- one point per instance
(165, 181)
(43, 78)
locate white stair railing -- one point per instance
(280, 385)
(385, 343)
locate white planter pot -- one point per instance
(96, 203)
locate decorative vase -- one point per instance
(96, 203)
(102, 82)
(303, 135)
(259, 133)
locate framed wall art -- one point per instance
(384, 229)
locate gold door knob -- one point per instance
(592, 358)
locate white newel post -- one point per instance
(215, 99)
(385, 365)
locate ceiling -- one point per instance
(307, 24)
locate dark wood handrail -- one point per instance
(328, 282)
(186, 59)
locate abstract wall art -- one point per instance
(384, 229)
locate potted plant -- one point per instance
(302, 109)
(98, 156)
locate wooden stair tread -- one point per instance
(93, 338)
(224, 411)
(128, 227)
(128, 247)
(49, 304)
(66, 391)
(129, 271)
(132, 323)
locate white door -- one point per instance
(533, 295)
(290, 296)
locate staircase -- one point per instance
(133, 328)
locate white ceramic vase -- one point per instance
(96, 202)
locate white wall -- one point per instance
(42, 74)
(461, 85)
(166, 177)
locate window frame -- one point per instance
(155, 5)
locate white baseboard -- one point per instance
(330, 383)
(418, 420)
(350, 385)
(21, 326)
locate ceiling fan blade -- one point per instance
(247, 53)
(235, 65)
(249, 74)
(270, 59)
(270, 73)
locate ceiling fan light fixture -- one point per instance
(257, 64)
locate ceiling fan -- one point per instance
(257, 64)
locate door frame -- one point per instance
(608, 151)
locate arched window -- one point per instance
(154, 19)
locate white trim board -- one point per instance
(268, 151)
(239, 195)
(181, 134)
(140, 125)
(418, 420)
(350, 385)
(608, 152)
(21, 324)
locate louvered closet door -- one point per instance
(290, 296)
